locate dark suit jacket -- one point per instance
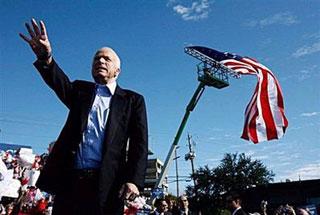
(241, 212)
(127, 123)
(179, 212)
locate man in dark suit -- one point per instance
(161, 207)
(184, 206)
(100, 157)
(234, 204)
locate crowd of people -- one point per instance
(166, 206)
(18, 175)
(19, 170)
(24, 198)
(234, 204)
(19, 195)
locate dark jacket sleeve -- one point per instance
(57, 80)
(138, 144)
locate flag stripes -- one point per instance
(264, 115)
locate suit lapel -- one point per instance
(86, 97)
(117, 106)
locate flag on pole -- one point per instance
(264, 115)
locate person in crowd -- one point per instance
(285, 210)
(100, 156)
(40, 206)
(2, 210)
(302, 211)
(234, 204)
(263, 207)
(162, 207)
(9, 209)
(183, 206)
(172, 205)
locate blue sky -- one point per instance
(150, 36)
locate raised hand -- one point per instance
(128, 191)
(38, 41)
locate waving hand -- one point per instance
(38, 40)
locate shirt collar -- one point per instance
(111, 87)
(234, 212)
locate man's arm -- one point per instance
(57, 80)
(49, 70)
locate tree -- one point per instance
(236, 172)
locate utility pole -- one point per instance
(190, 156)
(177, 172)
(166, 181)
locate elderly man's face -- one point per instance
(105, 66)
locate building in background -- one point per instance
(154, 169)
(7, 146)
(304, 193)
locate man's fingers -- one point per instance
(128, 193)
(35, 27)
(43, 42)
(132, 197)
(24, 38)
(43, 29)
(32, 35)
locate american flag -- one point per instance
(264, 115)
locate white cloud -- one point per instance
(315, 35)
(310, 114)
(216, 129)
(285, 18)
(280, 18)
(170, 2)
(249, 153)
(260, 157)
(310, 72)
(309, 171)
(306, 50)
(284, 164)
(279, 153)
(288, 157)
(305, 74)
(291, 128)
(214, 160)
(198, 10)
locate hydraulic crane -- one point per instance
(210, 73)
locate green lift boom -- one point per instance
(210, 73)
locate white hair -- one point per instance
(118, 61)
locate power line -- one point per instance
(26, 135)
(29, 122)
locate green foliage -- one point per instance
(236, 172)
